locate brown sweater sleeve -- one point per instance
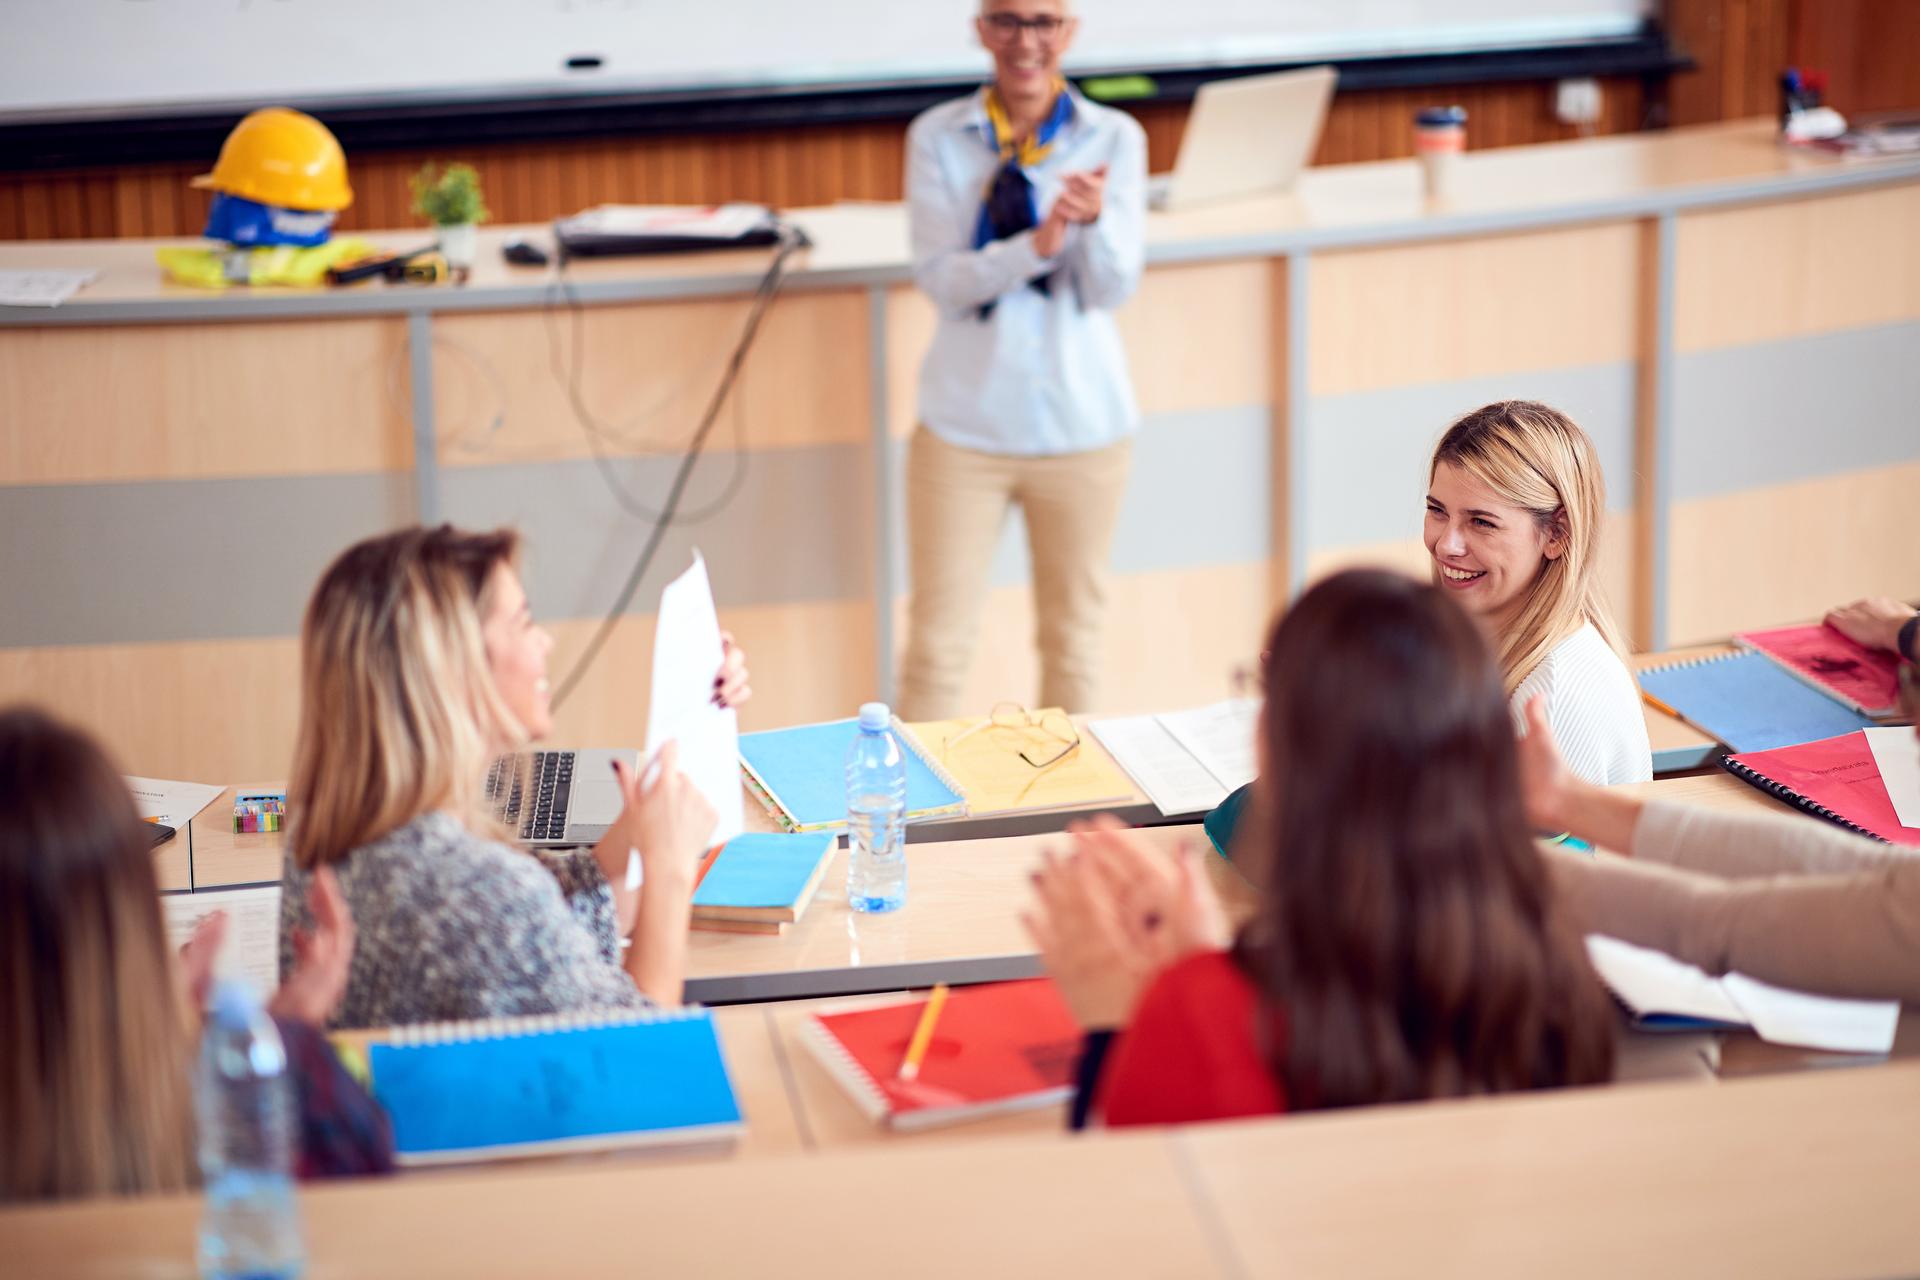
(1842, 933)
(1737, 845)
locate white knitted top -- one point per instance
(1593, 705)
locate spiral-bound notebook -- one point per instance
(509, 1087)
(1747, 702)
(1836, 778)
(800, 775)
(1007, 1046)
(1867, 680)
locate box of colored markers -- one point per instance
(255, 811)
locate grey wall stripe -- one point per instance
(186, 560)
(1368, 450)
(1777, 412)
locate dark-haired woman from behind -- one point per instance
(1408, 943)
(99, 1019)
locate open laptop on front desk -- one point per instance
(1247, 136)
(575, 796)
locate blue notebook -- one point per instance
(799, 774)
(1748, 702)
(762, 879)
(539, 1086)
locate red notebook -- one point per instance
(1865, 679)
(1008, 1046)
(1834, 778)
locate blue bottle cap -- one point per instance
(1437, 117)
(233, 1004)
(875, 716)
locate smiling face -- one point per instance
(517, 652)
(1486, 551)
(1026, 63)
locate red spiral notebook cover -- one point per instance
(1834, 778)
(1005, 1046)
(1865, 679)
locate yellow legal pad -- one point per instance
(987, 763)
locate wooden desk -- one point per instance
(173, 863)
(1789, 1176)
(1792, 1176)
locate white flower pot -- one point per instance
(457, 244)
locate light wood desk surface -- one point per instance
(1794, 1175)
(173, 863)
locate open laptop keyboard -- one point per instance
(550, 776)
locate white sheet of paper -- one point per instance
(173, 803)
(1897, 754)
(1220, 737)
(1814, 1022)
(1176, 782)
(1651, 981)
(48, 288)
(252, 946)
(686, 656)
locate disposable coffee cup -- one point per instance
(1439, 139)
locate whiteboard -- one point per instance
(66, 59)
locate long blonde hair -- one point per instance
(1536, 458)
(95, 1076)
(399, 713)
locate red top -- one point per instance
(1190, 1052)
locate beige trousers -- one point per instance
(957, 499)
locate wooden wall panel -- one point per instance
(1866, 47)
(792, 168)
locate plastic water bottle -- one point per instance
(245, 1104)
(876, 814)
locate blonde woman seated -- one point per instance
(420, 665)
(1515, 504)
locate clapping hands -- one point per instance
(1115, 911)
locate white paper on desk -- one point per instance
(686, 656)
(1814, 1022)
(1176, 782)
(1897, 755)
(1220, 737)
(251, 949)
(173, 803)
(1653, 982)
(47, 288)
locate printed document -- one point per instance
(251, 949)
(173, 803)
(686, 656)
(40, 288)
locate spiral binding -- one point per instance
(1686, 663)
(1781, 791)
(825, 1044)
(422, 1034)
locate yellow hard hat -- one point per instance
(282, 157)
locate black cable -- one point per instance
(598, 433)
(791, 241)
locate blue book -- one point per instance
(547, 1085)
(1747, 702)
(758, 882)
(800, 775)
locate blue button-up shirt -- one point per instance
(1044, 373)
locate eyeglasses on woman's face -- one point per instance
(1006, 28)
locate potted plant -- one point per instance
(449, 197)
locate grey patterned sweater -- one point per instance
(451, 925)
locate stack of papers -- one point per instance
(1665, 994)
(251, 949)
(1186, 761)
(40, 288)
(172, 803)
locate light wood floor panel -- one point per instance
(163, 402)
(1797, 268)
(646, 373)
(1452, 309)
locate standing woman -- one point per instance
(1027, 205)
(1515, 505)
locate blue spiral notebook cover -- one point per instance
(1747, 702)
(760, 871)
(800, 775)
(539, 1086)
